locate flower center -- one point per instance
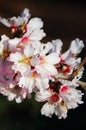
(25, 39)
(42, 60)
(25, 60)
(66, 69)
(6, 53)
(64, 89)
(54, 98)
(34, 74)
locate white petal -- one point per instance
(14, 42)
(11, 96)
(28, 51)
(11, 86)
(15, 57)
(42, 83)
(4, 38)
(37, 35)
(48, 110)
(45, 48)
(42, 95)
(35, 23)
(57, 46)
(5, 22)
(25, 14)
(42, 70)
(52, 58)
(61, 111)
(18, 99)
(51, 69)
(76, 46)
(26, 82)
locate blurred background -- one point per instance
(62, 19)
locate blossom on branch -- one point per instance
(29, 66)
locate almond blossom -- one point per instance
(59, 103)
(29, 66)
(33, 81)
(34, 31)
(69, 57)
(21, 62)
(17, 93)
(14, 22)
(47, 60)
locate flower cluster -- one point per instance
(29, 66)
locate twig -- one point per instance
(75, 72)
(65, 77)
(82, 84)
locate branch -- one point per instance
(82, 84)
(75, 72)
(65, 77)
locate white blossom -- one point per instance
(16, 21)
(33, 80)
(34, 31)
(21, 62)
(58, 104)
(19, 94)
(76, 46)
(28, 66)
(47, 61)
(57, 46)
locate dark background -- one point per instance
(62, 19)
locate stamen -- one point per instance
(54, 98)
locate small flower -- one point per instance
(17, 93)
(76, 46)
(68, 60)
(71, 96)
(47, 60)
(33, 81)
(21, 62)
(53, 106)
(57, 46)
(16, 21)
(59, 103)
(34, 31)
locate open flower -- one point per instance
(47, 60)
(8, 46)
(33, 81)
(34, 31)
(71, 96)
(9, 83)
(59, 103)
(17, 93)
(53, 106)
(14, 22)
(70, 61)
(21, 62)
